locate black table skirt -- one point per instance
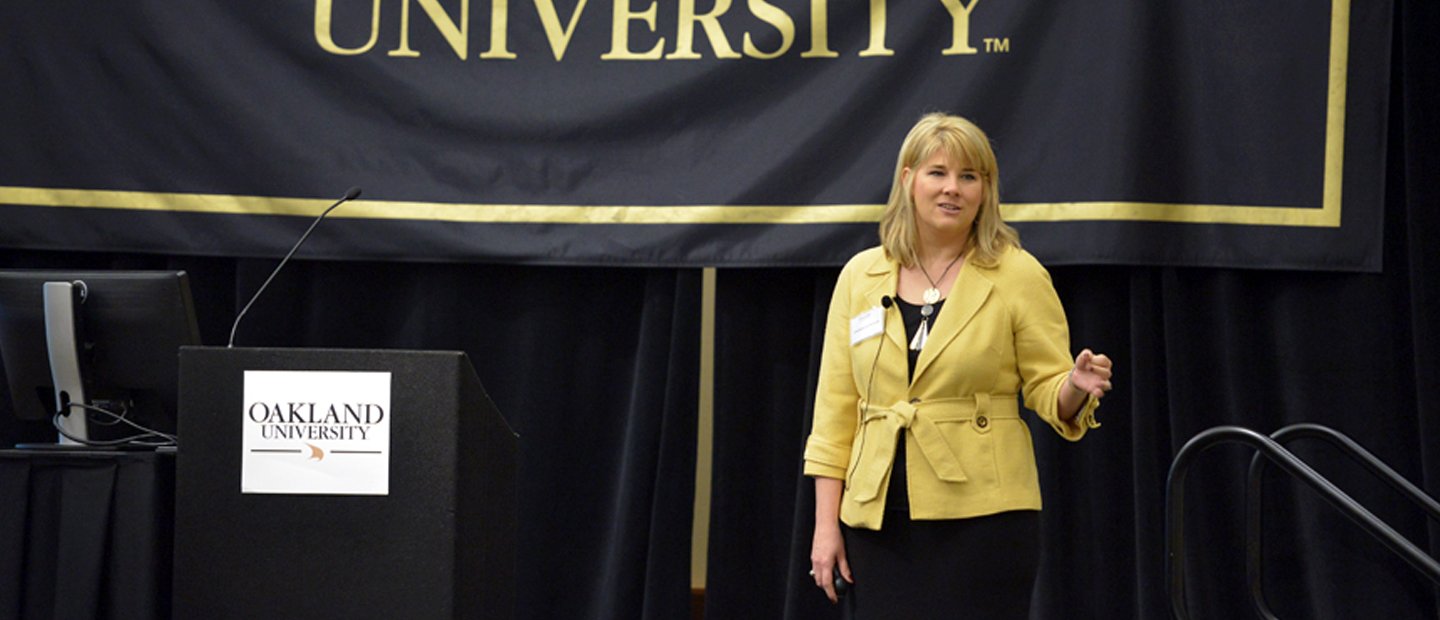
(86, 534)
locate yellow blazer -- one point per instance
(1001, 331)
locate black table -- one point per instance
(86, 534)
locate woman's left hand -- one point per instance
(1092, 373)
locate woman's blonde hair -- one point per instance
(963, 142)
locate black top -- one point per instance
(897, 497)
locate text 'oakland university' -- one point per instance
(633, 27)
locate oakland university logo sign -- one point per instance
(316, 432)
(315, 421)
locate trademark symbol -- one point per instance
(997, 46)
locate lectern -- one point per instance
(438, 543)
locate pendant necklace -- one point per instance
(931, 296)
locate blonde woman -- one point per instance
(927, 495)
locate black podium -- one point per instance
(440, 544)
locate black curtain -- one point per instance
(594, 368)
(769, 325)
(1194, 348)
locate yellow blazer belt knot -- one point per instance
(883, 426)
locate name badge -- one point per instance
(868, 324)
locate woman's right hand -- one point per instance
(826, 552)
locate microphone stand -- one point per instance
(352, 194)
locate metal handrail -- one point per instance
(1255, 498)
(1175, 506)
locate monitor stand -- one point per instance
(62, 338)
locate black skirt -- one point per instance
(982, 567)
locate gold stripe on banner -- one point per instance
(1326, 216)
(1178, 213)
(439, 211)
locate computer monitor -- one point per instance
(127, 327)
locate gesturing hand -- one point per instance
(1092, 373)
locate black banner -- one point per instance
(689, 132)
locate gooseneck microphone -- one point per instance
(352, 194)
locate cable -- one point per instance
(884, 317)
(166, 439)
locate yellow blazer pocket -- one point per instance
(974, 448)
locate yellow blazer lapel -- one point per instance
(884, 278)
(967, 294)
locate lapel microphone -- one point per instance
(351, 194)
